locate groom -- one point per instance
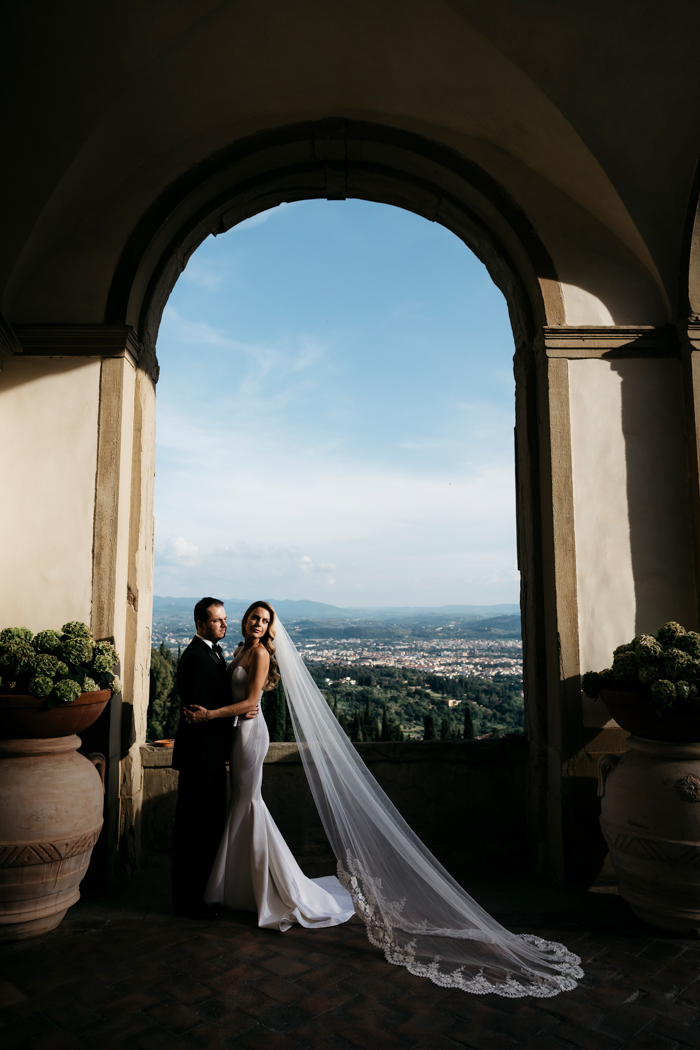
(200, 754)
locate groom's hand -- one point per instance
(195, 714)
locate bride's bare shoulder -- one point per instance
(260, 655)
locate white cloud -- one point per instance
(203, 275)
(287, 527)
(178, 551)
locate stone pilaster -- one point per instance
(616, 553)
(118, 397)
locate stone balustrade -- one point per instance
(465, 799)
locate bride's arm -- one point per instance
(257, 676)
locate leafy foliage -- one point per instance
(664, 669)
(56, 666)
(276, 714)
(407, 696)
(164, 699)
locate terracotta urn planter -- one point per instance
(641, 717)
(51, 804)
(650, 810)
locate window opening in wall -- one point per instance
(335, 435)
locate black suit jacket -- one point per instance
(201, 679)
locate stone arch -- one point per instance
(336, 159)
(333, 159)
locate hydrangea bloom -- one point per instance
(663, 669)
(650, 672)
(15, 634)
(16, 657)
(47, 641)
(663, 693)
(77, 630)
(690, 644)
(669, 633)
(54, 665)
(647, 648)
(675, 662)
(46, 665)
(104, 656)
(40, 686)
(590, 684)
(74, 649)
(67, 691)
(625, 666)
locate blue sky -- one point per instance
(335, 415)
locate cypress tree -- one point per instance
(468, 722)
(163, 713)
(444, 730)
(274, 706)
(385, 733)
(429, 727)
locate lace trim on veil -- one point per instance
(381, 918)
(412, 908)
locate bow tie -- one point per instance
(218, 650)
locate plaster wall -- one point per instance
(48, 435)
(634, 559)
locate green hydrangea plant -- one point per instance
(664, 669)
(56, 666)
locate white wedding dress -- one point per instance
(412, 908)
(254, 868)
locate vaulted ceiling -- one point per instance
(587, 114)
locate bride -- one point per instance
(411, 906)
(254, 869)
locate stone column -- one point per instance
(611, 553)
(79, 413)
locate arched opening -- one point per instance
(336, 410)
(336, 160)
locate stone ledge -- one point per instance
(506, 749)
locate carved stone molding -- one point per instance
(49, 340)
(19, 855)
(689, 332)
(610, 342)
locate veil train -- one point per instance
(411, 906)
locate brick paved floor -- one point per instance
(122, 971)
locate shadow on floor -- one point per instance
(122, 971)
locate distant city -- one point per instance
(389, 674)
(483, 642)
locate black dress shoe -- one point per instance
(198, 911)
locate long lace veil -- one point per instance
(412, 907)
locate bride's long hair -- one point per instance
(267, 641)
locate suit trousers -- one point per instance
(200, 818)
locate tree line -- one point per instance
(381, 704)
